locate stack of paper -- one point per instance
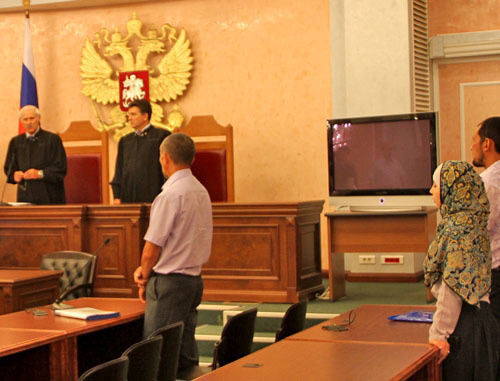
(87, 313)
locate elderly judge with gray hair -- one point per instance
(36, 162)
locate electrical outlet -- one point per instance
(366, 259)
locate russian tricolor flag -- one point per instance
(28, 83)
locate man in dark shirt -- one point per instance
(36, 161)
(138, 176)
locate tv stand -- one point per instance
(364, 232)
(385, 209)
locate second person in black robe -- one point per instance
(138, 176)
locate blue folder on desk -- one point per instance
(414, 316)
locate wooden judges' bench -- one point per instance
(261, 252)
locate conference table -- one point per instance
(372, 348)
(22, 288)
(43, 347)
(371, 325)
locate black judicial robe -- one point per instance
(138, 176)
(44, 151)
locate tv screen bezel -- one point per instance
(431, 116)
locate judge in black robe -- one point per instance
(39, 158)
(138, 175)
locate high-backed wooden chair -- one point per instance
(214, 161)
(87, 178)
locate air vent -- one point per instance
(421, 71)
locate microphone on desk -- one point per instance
(9, 170)
(57, 305)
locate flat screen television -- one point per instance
(382, 155)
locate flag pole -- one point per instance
(29, 94)
(26, 5)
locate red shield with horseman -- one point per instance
(134, 85)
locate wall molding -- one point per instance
(45, 5)
(462, 87)
(472, 44)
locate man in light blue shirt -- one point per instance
(486, 153)
(177, 244)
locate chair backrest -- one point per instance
(214, 160)
(78, 269)
(170, 351)
(87, 177)
(144, 358)
(114, 370)
(236, 338)
(293, 321)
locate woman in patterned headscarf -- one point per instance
(458, 268)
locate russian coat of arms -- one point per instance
(118, 69)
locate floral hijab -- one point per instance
(460, 253)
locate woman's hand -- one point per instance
(444, 349)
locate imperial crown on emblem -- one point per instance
(117, 69)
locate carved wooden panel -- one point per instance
(124, 225)
(260, 252)
(26, 233)
(242, 249)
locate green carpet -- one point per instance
(358, 293)
(210, 321)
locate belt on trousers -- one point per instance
(155, 274)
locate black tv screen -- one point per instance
(382, 155)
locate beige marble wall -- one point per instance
(262, 66)
(377, 58)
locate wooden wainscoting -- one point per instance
(28, 232)
(260, 252)
(264, 252)
(125, 226)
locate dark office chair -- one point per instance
(171, 349)
(114, 370)
(236, 338)
(144, 358)
(235, 342)
(293, 321)
(78, 275)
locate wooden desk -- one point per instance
(21, 288)
(374, 348)
(361, 232)
(260, 252)
(13, 340)
(24, 353)
(372, 325)
(63, 348)
(324, 361)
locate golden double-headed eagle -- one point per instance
(171, 54)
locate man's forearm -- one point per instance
(150, 255)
